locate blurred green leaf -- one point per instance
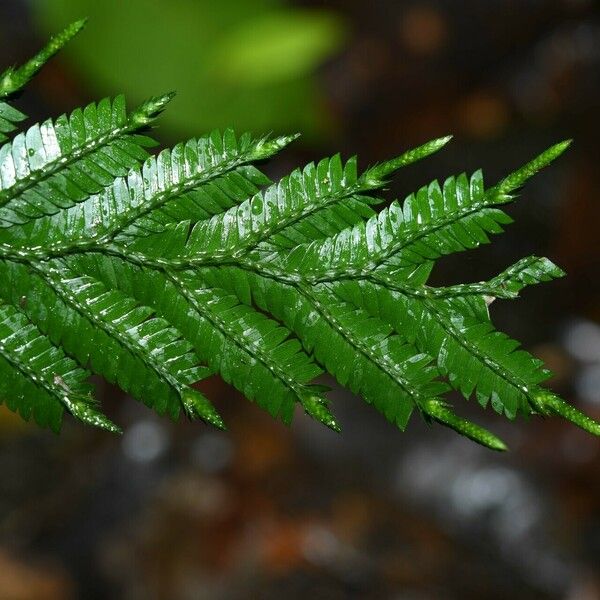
(246, 63)
(277, 46)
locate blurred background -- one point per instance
(178, 511)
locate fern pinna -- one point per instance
(158, 271)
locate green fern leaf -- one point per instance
(284, 213)
(507, 285)
(9, 119)
(14, 79)
(250, 351)
(112, 333)
(475, 356)
(57, 164)
(29, 360)
(156, 271)
(117, 209)
(357, 349)
(428, 225)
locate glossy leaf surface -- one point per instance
(156, 271)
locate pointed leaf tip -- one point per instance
(75, 27)
(109, 426)
(444, 415)
(422, 151)
(14, 79)
(215, 420)
(62, 38)
(267, 147)
(198, 406)
(375, 176)
(165, 98)
(150, 109)
(547, 402)
(87, 412)
(316, 407)
(527, 271)
(440, 142)
(520, 176)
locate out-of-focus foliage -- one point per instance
(243, 63)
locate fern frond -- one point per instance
(117, 209)
(38, 379)
(351, 210)
(308, 200)
(57, 164)
(248, 349)
(112, 333)
(443, 414)
(14, 79)
(475, 356)
(157, 271)
(506, 285)
(252, 352)
(358, 349)
(436, 221)
(429, 224)
(10, 117)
